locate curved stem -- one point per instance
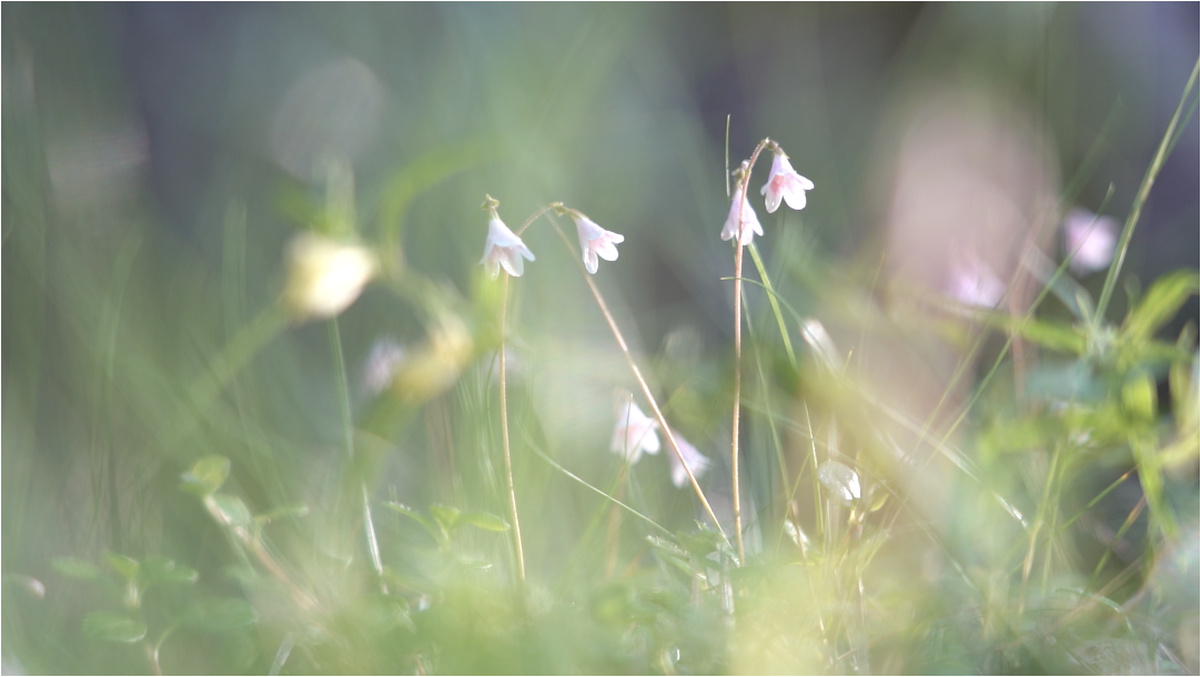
(737, 353)
(737, 394)
(637, 374)
(1143, 194)
(508, 471)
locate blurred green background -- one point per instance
(158, 157)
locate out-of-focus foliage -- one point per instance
(251, 402)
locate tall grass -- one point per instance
(257, 508)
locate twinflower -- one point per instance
(595, 242)
(696, 461)
(742, 221)
(634, 433)
(503, 247)
(785, 183)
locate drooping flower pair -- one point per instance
(635, 433)
(505, 249)
(784, 183)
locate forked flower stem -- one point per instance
(508, 471)
(737, 353)
(637, 374)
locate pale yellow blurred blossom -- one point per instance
(595, 242)
(434, 366)
(634, 432)
(1089, 240)
(697, 462)
(744, 227)
(785, 183)
(325, 275)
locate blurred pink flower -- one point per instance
(695, 460)
(382, 364)
(634, 433)
(749, 224)
(972, 281)
(1091, 239)
(595, 242)
(784, 182)
(503, 248)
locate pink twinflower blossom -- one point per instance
(786, 184)
(634, 432)
(696, 461)
(744, 227)
(505, 249)
(595, 242)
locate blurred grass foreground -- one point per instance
(265, 412)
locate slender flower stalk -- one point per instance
(740, 207)
(504, 248)
(784, 183)
(508, 471)
(637, 374)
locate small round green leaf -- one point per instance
(226, 613)
(483, 520)
(158, 569)
(446, 516)
(126, 567)
(110, 627)
(73, 567)
(229, 510)
(206, 476)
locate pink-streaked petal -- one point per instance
(697, 462)
(595, 242)
(749, 220)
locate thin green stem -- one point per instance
(737, 398)
(601, 492)
(1160, 157)
(637, 374)
(339, 366)
(508, 471)
(221, 369)
(773, 298)
(737, 352)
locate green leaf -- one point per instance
(222, 613)
(1139, 396)
(126, 567)
(446, 516)
(415, 515)
(1160, 304)
(293, 510)
(483, 520)
(701, 543)
(158, 569)
(206, 476)
(110, 627)
(1054, 336)
(671, 554)
(229, 510)
(73, 567)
